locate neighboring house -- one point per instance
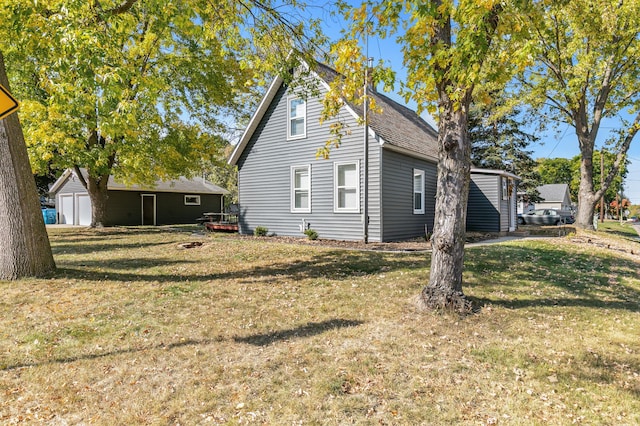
(554, 196)
(282, 186)
(166, 203)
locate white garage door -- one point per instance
(65, 210)
(84, 210)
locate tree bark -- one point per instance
(98, 194)
(586, 196)
(24, 244)
(444, 290)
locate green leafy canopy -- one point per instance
(138, 88)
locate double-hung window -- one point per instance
(301, 189)
(346, 177)
(418, 191)
(296, 118)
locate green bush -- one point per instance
(260, 231)
(311, 234)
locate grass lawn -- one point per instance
(135, 329)
(625, 229)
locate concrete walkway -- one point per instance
(507, 238)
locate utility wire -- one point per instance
(559, 140)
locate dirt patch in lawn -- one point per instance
(606, 241)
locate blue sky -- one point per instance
(561, 142)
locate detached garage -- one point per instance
(166, 203)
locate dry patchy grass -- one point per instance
(133, 329)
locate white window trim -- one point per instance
(336, 208)
(196, 202)
(418, 172)
(505, 188)
(293, 189)
(289, 118)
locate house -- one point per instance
(283, 187)
(165, 203)
(554, 196)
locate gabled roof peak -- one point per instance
(398, 126)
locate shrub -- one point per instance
(260, 231)
(311, 234)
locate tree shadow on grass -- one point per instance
(77, 248)
(547, 275)
(325, 265)
(309, 329)
(99, 355)
(73, 267)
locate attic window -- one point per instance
(296, 118)
(191, 200)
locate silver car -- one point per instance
(546, 217)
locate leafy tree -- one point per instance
(617, 207)
(565, 170)
(455, 54)
(611, 192)
(23, 238)
(499, 142)
(555, 170)
(225, 175)
(587, 69)
(137, 88)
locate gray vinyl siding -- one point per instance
(399, 221)
(485, 204)
(504, 215)
(264, 176)
(71, 186)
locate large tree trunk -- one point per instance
(24, 244)
(586, 194)
(98, 194)
(444, 290)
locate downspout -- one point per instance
(366, 153)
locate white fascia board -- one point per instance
(495, 172)
(328, 88)
(262, 108)
(255, 120)
(58, 183)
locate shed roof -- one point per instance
(494, 172)
(182, 185)
(398, 126)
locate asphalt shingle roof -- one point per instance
(396, 124)
(182, 185)
(553, 192)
